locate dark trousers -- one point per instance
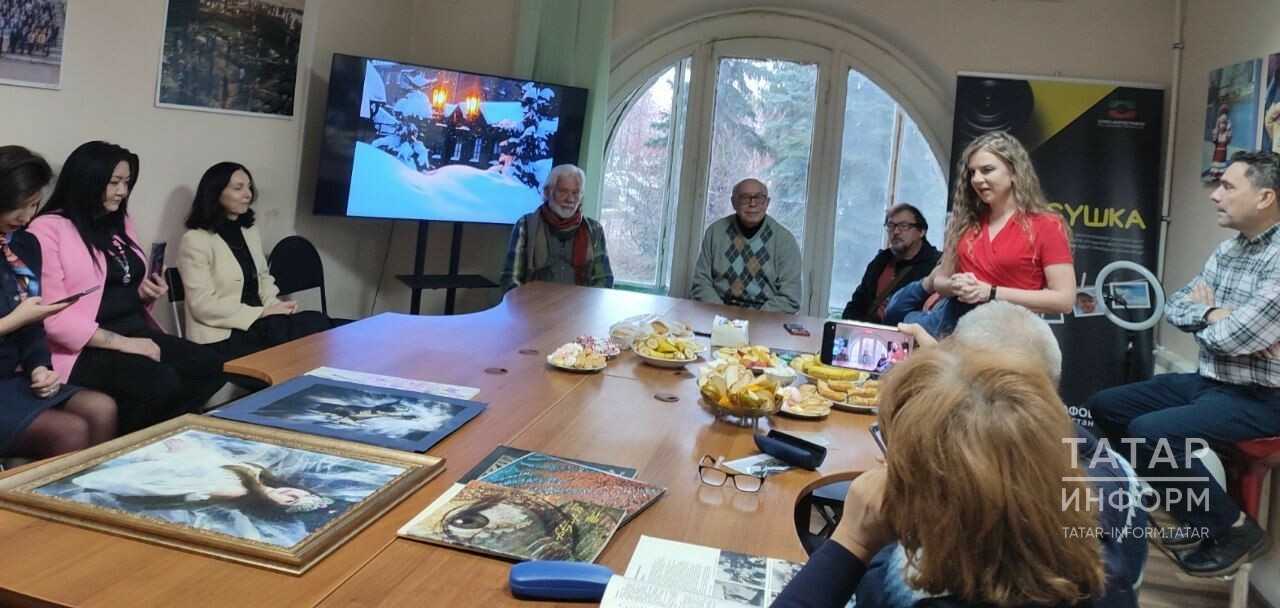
(148, 392)
(271, 331)
(1177, 407)
(907, 306)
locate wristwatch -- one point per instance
(991, 297)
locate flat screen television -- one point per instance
(405, 141)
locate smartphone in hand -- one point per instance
(878, 436)
(864, 346)
(74, 297)
(157, 259)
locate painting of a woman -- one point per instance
(219, 483)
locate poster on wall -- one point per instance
(31, 35)
(235, 56)
(1096, 147)
(1271, 107)
(1230, 121)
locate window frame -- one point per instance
(845, 45)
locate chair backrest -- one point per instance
(176, 296)
(295, 265)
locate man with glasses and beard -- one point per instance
(748, 259)
(909, 257)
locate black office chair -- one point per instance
(295, 265)
(825, 501)
(176, 296)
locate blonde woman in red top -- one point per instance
(1003, 242)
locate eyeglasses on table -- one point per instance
(710, 473)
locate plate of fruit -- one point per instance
(814, 370)
(667, 350)
(754, 358)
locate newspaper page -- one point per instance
(726, 578)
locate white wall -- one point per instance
(1216, 34)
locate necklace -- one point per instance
(122, 260)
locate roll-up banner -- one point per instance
(1096, 148)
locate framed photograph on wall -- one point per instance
(236, 56)
(261, 496)
(387, 417)
(1230, 123)
(1271, 106)
(31, 39)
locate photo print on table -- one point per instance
(388, 417)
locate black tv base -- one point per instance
(451, 282)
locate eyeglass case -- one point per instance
(558, 580)
(792, 450)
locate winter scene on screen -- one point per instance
(437, 144)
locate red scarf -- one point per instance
(581, 274)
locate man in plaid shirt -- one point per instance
(1233, 309)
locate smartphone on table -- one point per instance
(157, 259)
(795, 329)
(864, 346)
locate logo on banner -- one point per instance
(1122, 109)
(1121, 114)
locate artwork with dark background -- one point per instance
(231, 55)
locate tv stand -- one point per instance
(451, 282)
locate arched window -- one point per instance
(800, 112)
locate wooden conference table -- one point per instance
(610, 417)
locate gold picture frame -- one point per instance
(266, 497)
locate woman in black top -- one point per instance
(38, 417)
(108, 340)
(231, 300)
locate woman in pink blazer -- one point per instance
(107, 340)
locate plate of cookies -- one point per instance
(803, 402)
(851, 396)
(573, 357)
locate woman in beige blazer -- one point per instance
(231, 301)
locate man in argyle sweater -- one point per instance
(748, 259)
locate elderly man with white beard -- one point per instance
(556, 242)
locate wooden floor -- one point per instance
(1165, 586)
